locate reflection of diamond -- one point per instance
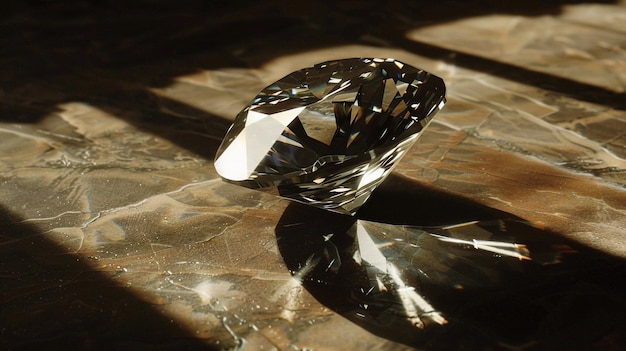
(327, 135)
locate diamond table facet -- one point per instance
(327, 135)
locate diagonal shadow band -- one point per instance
(51, 300)
(188, 127)
(493, 283)
(577, 90)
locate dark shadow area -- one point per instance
(499, 283)
(400, 200)
(52, 300)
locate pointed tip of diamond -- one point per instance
(328, 134)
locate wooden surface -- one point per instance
(116, 231)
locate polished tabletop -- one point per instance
(506, 220)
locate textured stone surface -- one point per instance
(118, 233)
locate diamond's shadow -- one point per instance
(496, 283)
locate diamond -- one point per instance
(328, 134)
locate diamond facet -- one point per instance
(327, 135)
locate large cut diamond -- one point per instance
(327, 135)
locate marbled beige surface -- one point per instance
(117, 232)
